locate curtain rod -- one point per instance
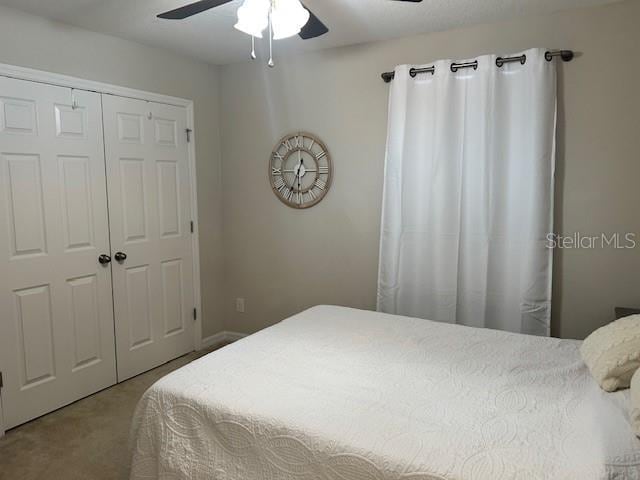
(566, 55)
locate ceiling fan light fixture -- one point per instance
(288, 17)
(253, 17)
(283, 18)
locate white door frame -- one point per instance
(40, 76)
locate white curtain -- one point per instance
(468, 195)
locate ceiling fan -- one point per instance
(283, 18)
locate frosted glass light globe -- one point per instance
(253, 17)
(288, 17)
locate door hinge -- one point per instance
(195, 313)
(192, 227)
(189, 135)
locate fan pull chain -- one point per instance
(253, 48)
(271, 63)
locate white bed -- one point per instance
(342, 394)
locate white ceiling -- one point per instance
(210, 36)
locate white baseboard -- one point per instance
(235, 336)
(221, 338)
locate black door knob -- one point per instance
(120, 256)
(104, 259)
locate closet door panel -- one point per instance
(56, 334)
(149, 205)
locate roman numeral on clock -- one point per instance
(321, 184)
(275, 171)
(323, 170)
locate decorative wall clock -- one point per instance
(300, 170)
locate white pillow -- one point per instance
(612, 353)
(635, 402)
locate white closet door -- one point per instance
(56, 330)
(149, 208)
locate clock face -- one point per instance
(300, 170)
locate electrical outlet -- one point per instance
(240, 305)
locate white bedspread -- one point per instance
(342, 394)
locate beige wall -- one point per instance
(34, 42)
(283, 260)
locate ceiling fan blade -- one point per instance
(192, 9)
(314, 27)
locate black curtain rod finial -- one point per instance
(565, 55)
(388, 76)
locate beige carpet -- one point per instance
(86, 440)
